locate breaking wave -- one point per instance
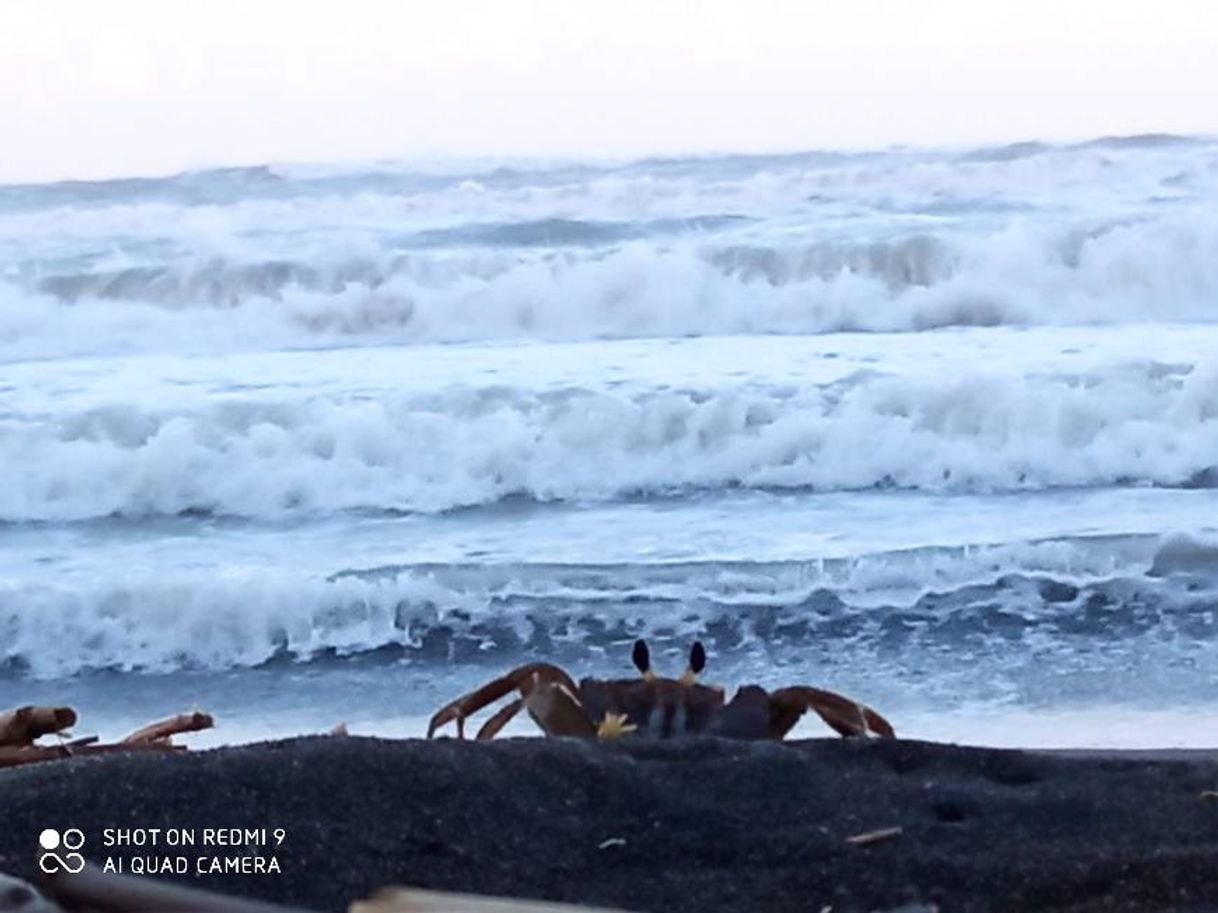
(266, 425)
(1161, 270)
(949, 606)
(1119, 230)
(1122, 424)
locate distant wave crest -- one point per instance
(1115, 231)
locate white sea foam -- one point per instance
(907, 423)
(903, 242)
(1160, 270)
(278, 450)
(987, 604)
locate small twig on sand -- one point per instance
(412, 900)
(870, 837)
(1209, 794)
(82, 742)
(163, 730)
(94, 889)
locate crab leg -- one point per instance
(523, 679)
(555, 707)
(846, 716)
(502, 717)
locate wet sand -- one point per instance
(701, 825)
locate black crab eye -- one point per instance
(697, 657)
(641, 656)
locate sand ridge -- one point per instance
(693, 825)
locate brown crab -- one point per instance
(653, 706)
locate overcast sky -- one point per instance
(91, 89)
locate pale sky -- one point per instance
(124, 87)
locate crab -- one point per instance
(654, 706)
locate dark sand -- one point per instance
(708, 825)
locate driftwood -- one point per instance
(105, 892)
(23, 726)
(412, 900)
(94, 890)
(19, 729)
(19, 897)
(164, 730)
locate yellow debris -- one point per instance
(614, 726)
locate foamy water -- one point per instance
(937, 428)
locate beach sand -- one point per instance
(699, 825)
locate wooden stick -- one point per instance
(24, 725)
(82, 742)
(413, 900)
(870, 837)
(164, 730)
(21, 896)
(19, 728)
(93, 889)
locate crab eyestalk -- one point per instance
(697, 662)
(642, 660)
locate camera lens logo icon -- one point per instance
(71, 840)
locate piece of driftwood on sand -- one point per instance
(21, 728)
(415, 900)
(94, 890)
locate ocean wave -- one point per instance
(920, 260)
(1059, 598)
(209, 185)
(1115, 231)
(1126, 423)
(1122, 271)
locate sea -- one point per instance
(303, 445)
